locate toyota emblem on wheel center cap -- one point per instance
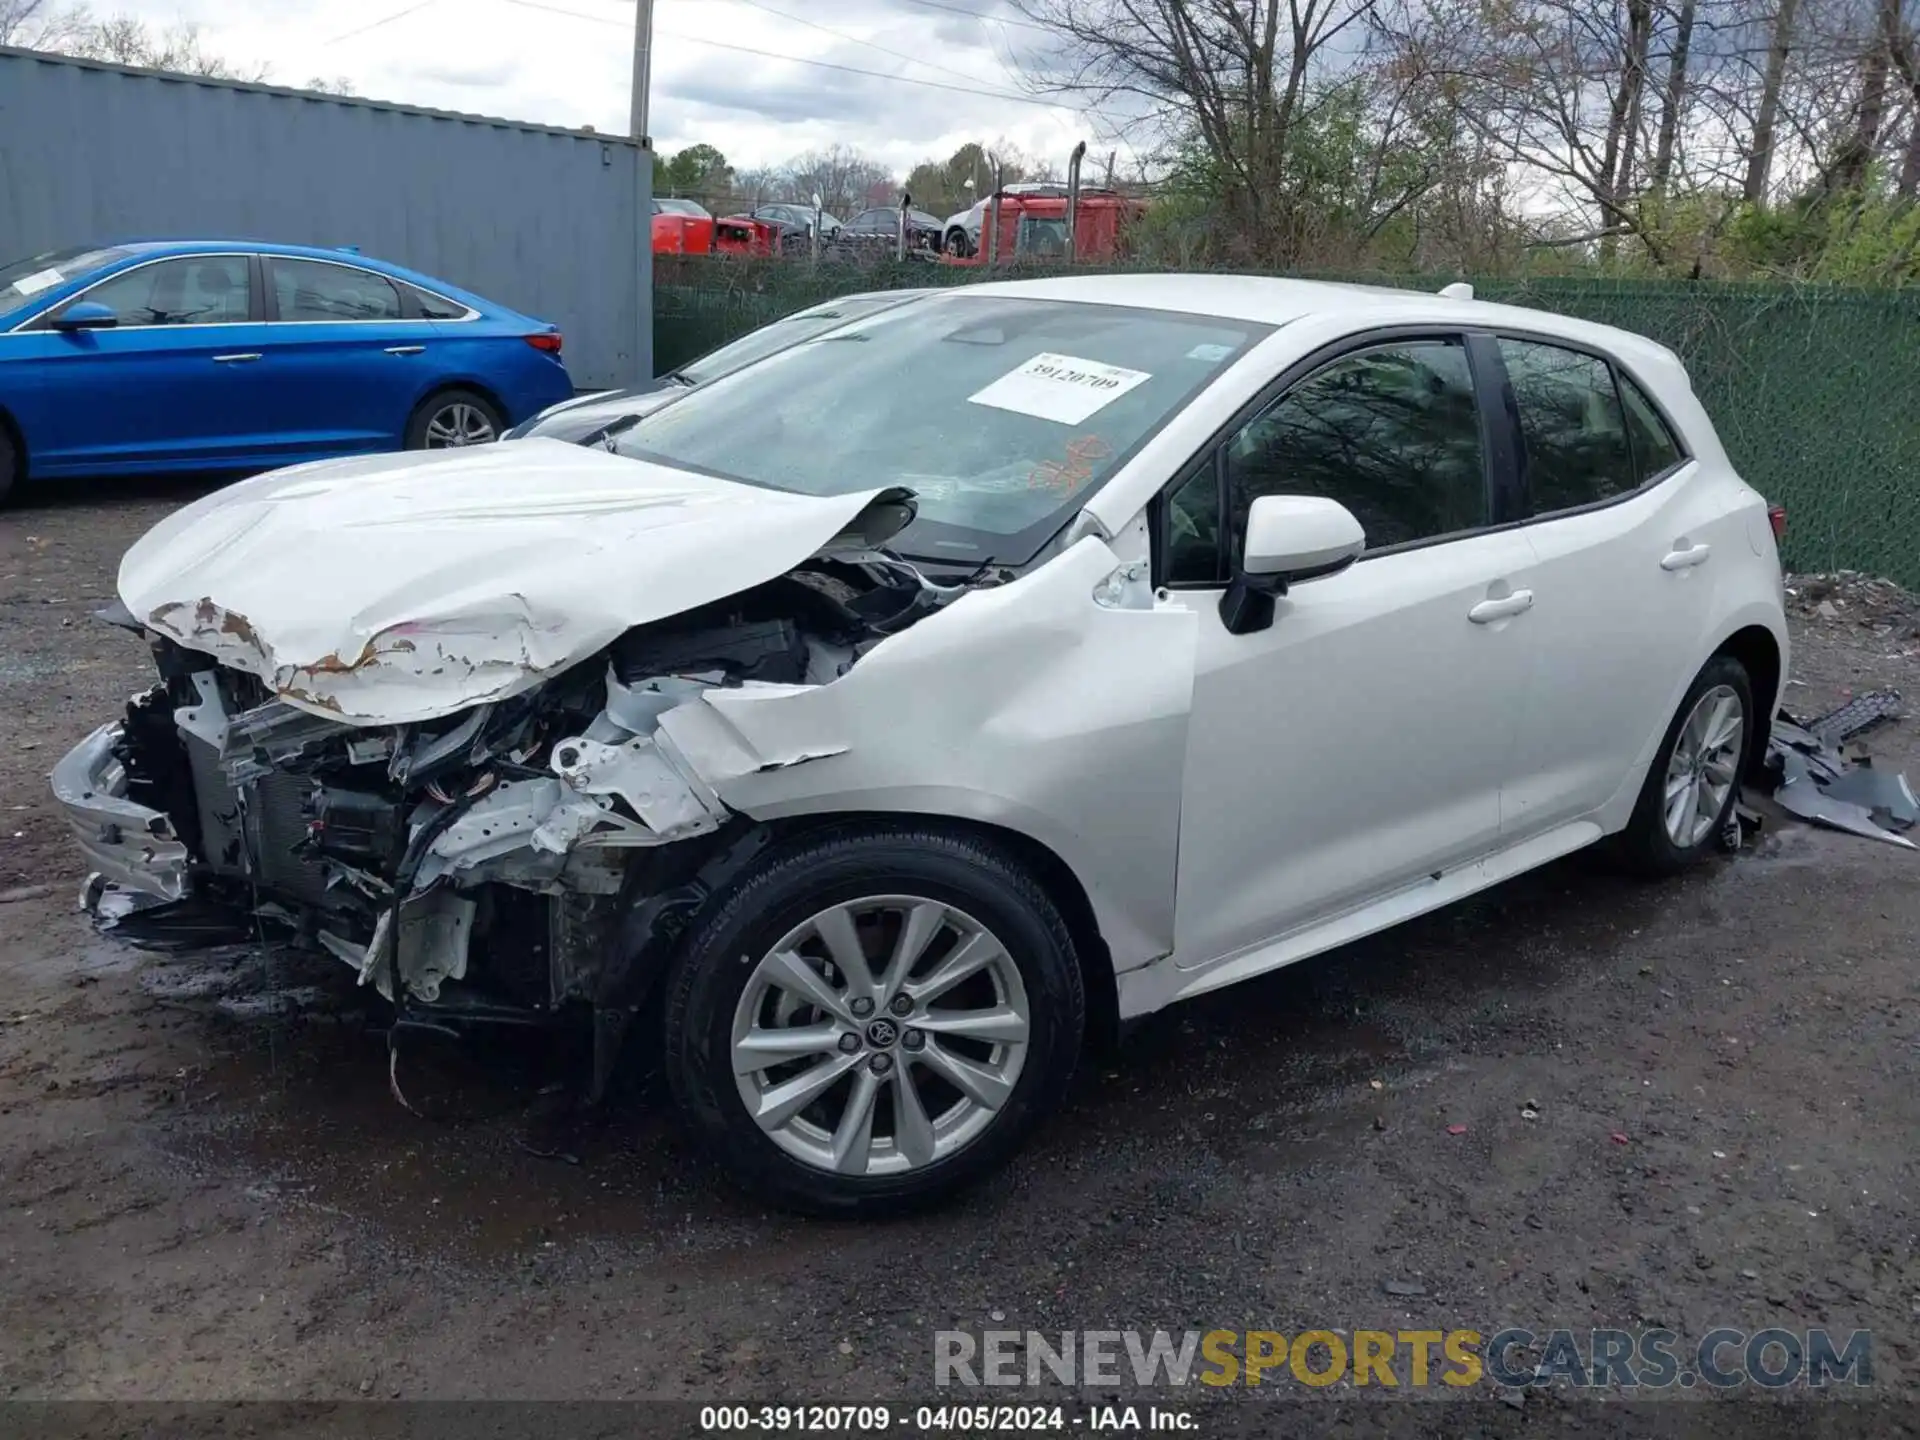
(882, 1033)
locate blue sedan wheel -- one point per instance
(452, 420)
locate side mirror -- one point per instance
(1290, 539)
(85, 315)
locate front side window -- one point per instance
(1001, 414)
(193, 290)
(1392, 433)
(311, 291)
(1574, 436)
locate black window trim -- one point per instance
(1499, 457)
(1616, 369)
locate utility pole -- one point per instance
(642, 66)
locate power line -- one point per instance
(386, 20)
(1024, 24)
(798, 59)
(856, 40)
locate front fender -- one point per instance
(1030, 706)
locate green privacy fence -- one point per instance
(1815, 390)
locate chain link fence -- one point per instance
(1815, 390)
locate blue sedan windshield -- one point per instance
(22, 280)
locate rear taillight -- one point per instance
(1777, 518)
(547, 341)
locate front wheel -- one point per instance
(1694, 780)
(874, 1018)
(958, 245)
(453, 419)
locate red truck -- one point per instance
(1033, 226)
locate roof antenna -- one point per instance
(1459, 290)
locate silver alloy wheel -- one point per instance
(1705, 763)
(459, 424)
(880, 1035)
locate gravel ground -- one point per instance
(207, 1190)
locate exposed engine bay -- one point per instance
(507, 862)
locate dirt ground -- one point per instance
(207, 1190)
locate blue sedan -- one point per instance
(235, 355)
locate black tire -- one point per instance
(1646, 846)
(717, 960)
(958, 244)
(13, 464)
(443, 402)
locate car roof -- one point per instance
(1270, 300)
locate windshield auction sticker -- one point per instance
(1062, 388)
(40, 280)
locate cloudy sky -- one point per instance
(569, 62)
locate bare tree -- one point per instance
(840, 175)
(1673, 102)
(1760, 156)
(120, 39)
(39, 24)
(1306, 127)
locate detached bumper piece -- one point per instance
(1816, 781)
(132, 849)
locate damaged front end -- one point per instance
(519, 860)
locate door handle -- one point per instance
(1681, 559)
(1488, 611)
(236, 359)
(405, 349)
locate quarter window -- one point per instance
(193, 290)
(435, 307)
(1655, 451)
(1392, 433)
(1571, 424)
(309, 292)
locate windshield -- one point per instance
(772, 339)
(1001, 414)
(682, 207)
(23, 279)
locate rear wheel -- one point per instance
(1693, 783)
(874, 1018)
(957, 243)
(453, 419)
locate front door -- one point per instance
(1360, 741)
(172, 385)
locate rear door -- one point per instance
(172, 386)
(1624, 532)
(349, 355)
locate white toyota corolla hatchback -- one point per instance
(868, 731)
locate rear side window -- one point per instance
(1392, 433)
(1574, 434)
(309, 291)
(1655, 451)
(434, 307)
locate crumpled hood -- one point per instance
(398, 588)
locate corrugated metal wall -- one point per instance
(554, 223)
